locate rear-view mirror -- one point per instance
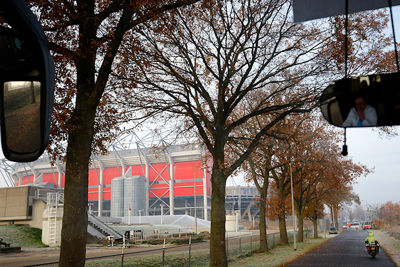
(26, 82)
(21, 101)
(365, 101)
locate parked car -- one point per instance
(333, 230)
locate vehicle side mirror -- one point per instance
(26, 82)
(366, 101)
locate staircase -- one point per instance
(54, 201)
(96, 227)
(52, 212)
(99, 229)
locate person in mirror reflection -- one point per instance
(361, 114)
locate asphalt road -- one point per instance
(347, 249)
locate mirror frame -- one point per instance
(18, 15)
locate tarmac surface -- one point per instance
(347, 249)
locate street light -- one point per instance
(195, 200)
(294, 216)
(162, 211)
(140, 216)
(237, 221)
(129, 216)
(90, 205)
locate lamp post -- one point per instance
(140, 216)
(195, 200)
(129, 216)
(162, 211)
(205, 205)
(237, 221)
(294, 216)
(90, 208)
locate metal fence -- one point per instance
(191, 254)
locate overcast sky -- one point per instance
(368, 147)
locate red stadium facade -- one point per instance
(177, 178)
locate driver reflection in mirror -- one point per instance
(361, 114)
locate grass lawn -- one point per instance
(198, 258)
(22, 236)
(275, 257)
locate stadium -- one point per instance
(177, 179)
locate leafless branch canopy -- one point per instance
(224, 65)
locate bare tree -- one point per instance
(218, 68)
(85, 37)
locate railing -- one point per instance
(98, 224)
(42, 194)
(183, 255)
(170, 232)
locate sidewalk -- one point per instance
(279, 255)
(389, 244)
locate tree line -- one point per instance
(388, 216)
(301, 150)
(238, 75)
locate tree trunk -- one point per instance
(300, 226)
(75, 218)
(263, 224)
(335, 210)
(282, 227)
(315, 224)
(282, 214)
(80, 136)
(217, 241)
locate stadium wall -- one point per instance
(178, 174)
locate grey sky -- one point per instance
(381, 153)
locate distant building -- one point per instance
(172, 176)
(23, 204)
(142, 179)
